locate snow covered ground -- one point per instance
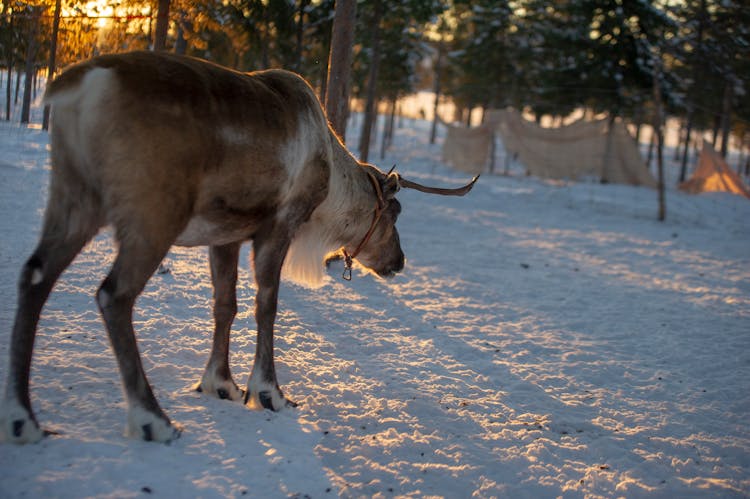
(545, 339)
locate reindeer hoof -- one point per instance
(150, 427)
(148, 434)
(225, 389)
(266, 400)
(17, 425)
(271, 399)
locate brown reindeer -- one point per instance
(170, 150)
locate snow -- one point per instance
(545, 339)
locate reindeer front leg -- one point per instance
(217, 379)
(269, 251)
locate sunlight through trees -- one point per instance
(548, 58)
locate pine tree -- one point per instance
(389, 39)
(482, 53)
(593, 53)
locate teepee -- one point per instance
(713, 175)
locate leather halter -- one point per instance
(379, 206)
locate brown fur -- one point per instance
(173, 150)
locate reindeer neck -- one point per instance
(349, 203)
(340, 221)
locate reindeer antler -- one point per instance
(459, 191)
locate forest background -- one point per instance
(642, 61)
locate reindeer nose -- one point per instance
(394, 267)
(399, 264)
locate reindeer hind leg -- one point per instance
(138, 257)
(72, 217)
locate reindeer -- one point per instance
(171, 150)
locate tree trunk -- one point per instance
(300, 35)
(458, 114)
(339, 65)
(372, 80)
(650, 153)
(438, 64)
(384, 137)
(18, 86)
(162, 26)
(715, 131)
(726, 112)
(265, 36)
(660, 175)
(604, 179)
(387, 135)
(31, 49)
(680, 138)
(493, 151)
(659, 143)
(324, 80)
(686, 150)
(150, 23)
(8, 93)
(392, 121)
(180, 43)
(9, 48)
(52, 58)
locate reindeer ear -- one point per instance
(391, 185)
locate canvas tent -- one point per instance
(579, 150)
(713, 175)
(467, 149)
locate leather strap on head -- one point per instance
(379, 206)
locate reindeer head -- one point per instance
(380, 248)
